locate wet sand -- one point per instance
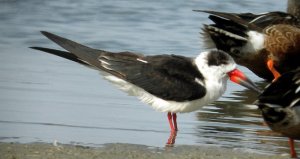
(122, 151)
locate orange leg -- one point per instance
(172, 117)
(175, 121)
(172, 139)
(292, 148)
(170, 121)
(270, 64)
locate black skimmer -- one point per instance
(280, 106)
(168, 83)
(267, 43)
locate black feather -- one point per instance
(169, 77)
(63, 54)
(282, 92)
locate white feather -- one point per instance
(255, 42)
(256, 39)
(257, 18)
(141, 60)
(229, 34)
(297, 90)
(294, 102)
(199, 81)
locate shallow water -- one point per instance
(46, 98)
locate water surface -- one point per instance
(46, 98)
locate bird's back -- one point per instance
(280, 104)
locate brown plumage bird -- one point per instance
(267, 44)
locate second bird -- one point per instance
(267, 44)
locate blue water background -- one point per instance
(44, 98)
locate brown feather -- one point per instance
(282, 44)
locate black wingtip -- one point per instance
(36, 48)
(208, 11)
(200, 10)
(48, 34)
(45, 33)
(63, 54)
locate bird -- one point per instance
(266, 43)
(168, 83)
(280, 106)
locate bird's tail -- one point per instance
(228, 31)
(113, 63)
(75, 51)
(63, 54)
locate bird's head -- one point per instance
(219, 66)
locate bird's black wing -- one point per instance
(284, 92)
(229, 21)
(169, 77)
(260, 21)
(265, 20)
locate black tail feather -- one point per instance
(238, 19)
(82, 52)
(257, 22)
(222, 39)
(229, 26)
(63, 54)
(113, 63)
(228, 31)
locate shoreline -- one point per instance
(128, 151)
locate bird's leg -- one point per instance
(270, 64)
(171, 139)
(170, 121)
(172, 117)
(292, 148)
(175, 121)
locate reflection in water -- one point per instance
(238, 124)
(223, 120)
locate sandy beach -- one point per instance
(123, 151)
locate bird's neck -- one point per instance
(215, 88)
